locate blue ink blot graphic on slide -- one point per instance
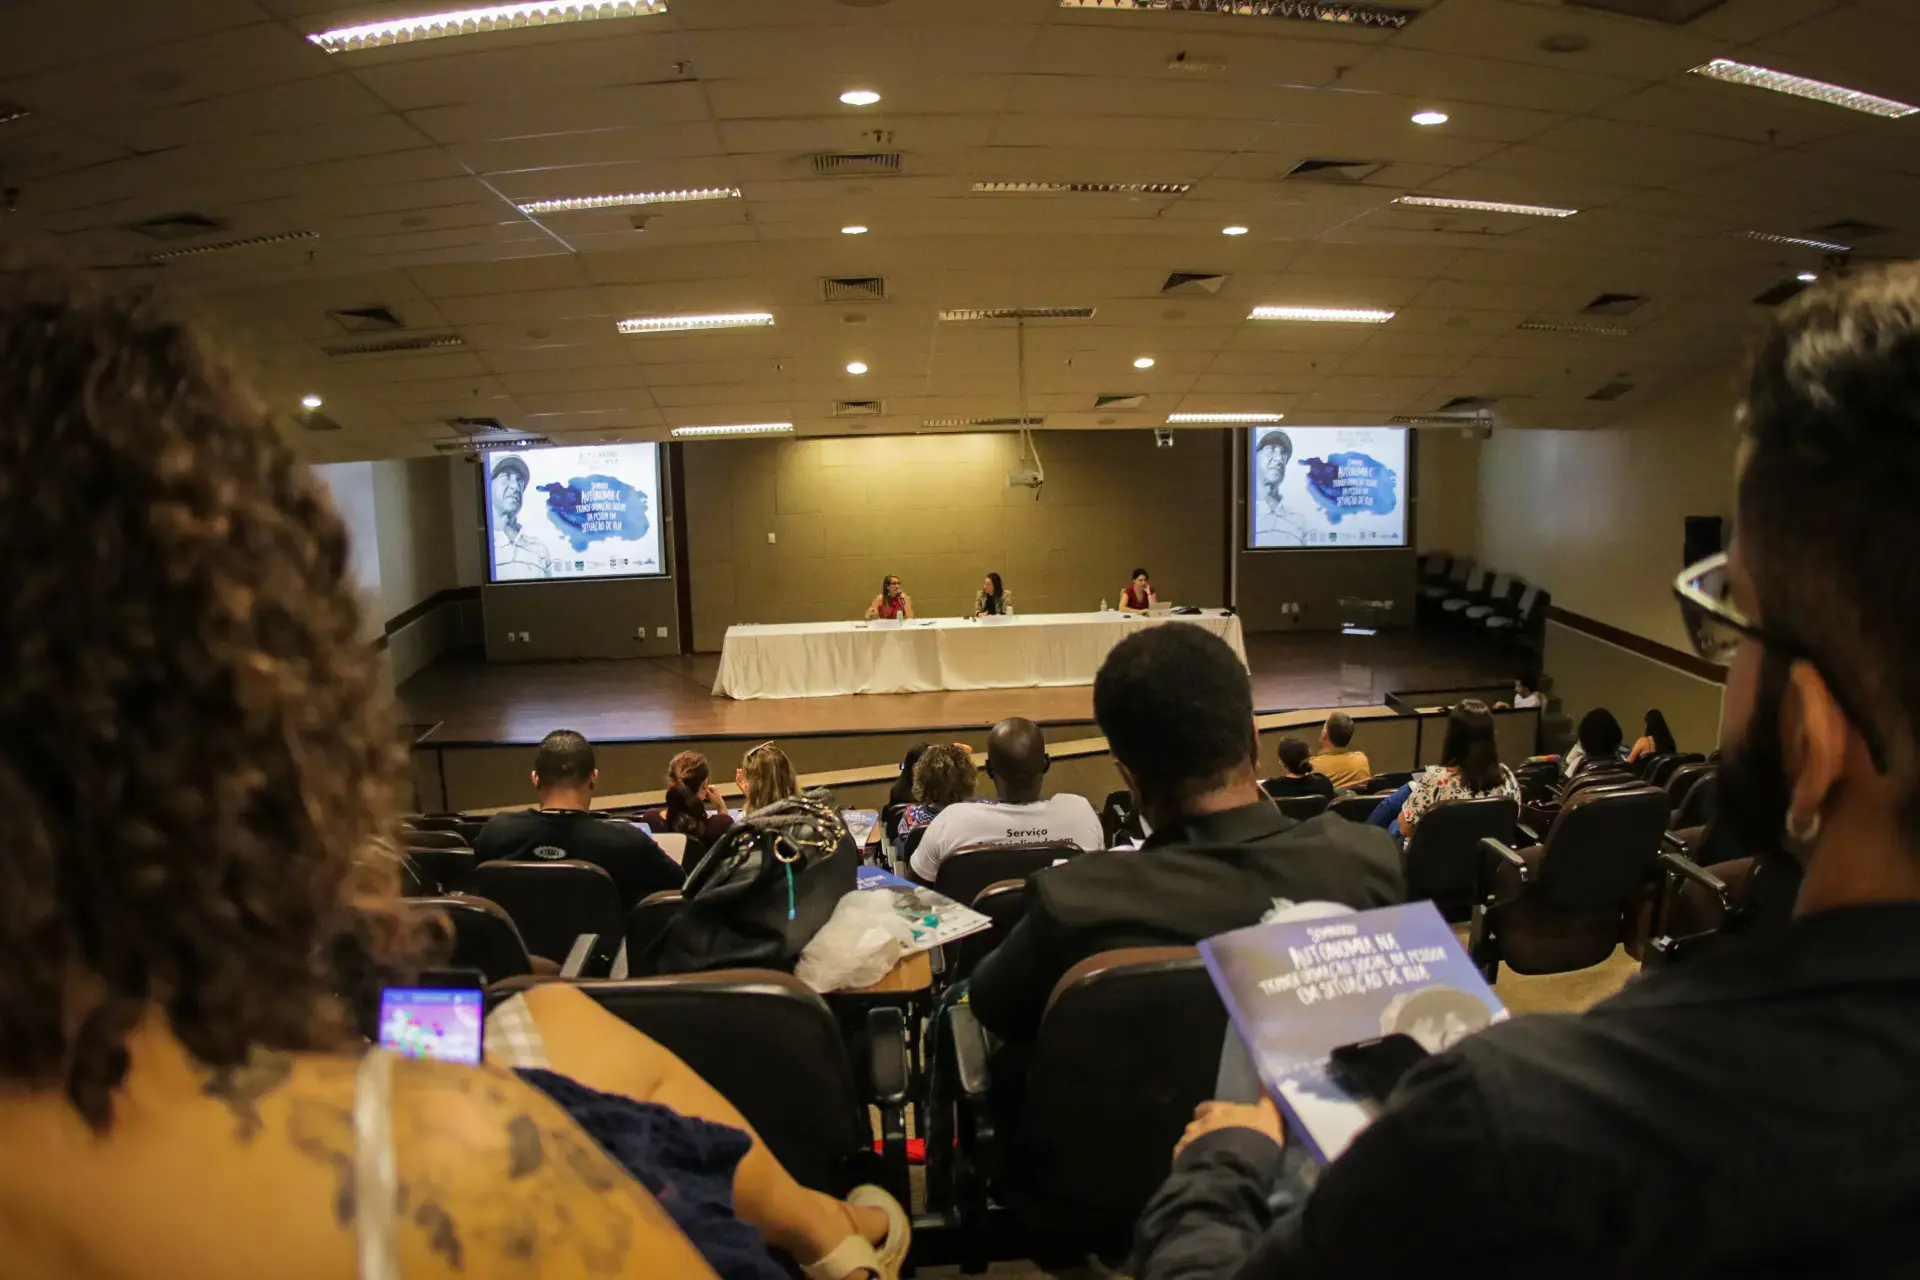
(1348, 484)
(587, 509)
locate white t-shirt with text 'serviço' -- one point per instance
(1061, 817)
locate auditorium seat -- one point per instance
(1389, 782)
(1682, 780)
(432, 821)
(1525, 627)
(1355, 808)
(1129, 1045)
(967, 871)
(1003, 902)
(1564, 903)
(772, 1047)
(1660, 773)
(447, 869)
(1433, 568)
(1300, 808)
(646, 922)
(1499, 596)
(1701, 804)
(414, 883)
(565, 910)
(418, 839)
(1473, 591)
(484, 936)
(1434, 594)
(1705, 908)
(1442, 859)
(1117, 820)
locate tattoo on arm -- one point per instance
(242, 1088)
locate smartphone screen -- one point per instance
(443, 1023)
(1373, 1067)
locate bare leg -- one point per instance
(594, 1047)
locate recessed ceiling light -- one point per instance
(1807, 277)
(859, 97)
(1430, 117)
(572, 204)
(1235, 230)
(1143, 362)
(681, 324)
(1485, 206)
(1726, 69)
(1331, 315)
(856, 367)
(1804, 242)
(855, 230)
(737, 429)
(1223, 418)
(311, 401)
(469, 22)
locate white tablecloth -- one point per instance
(818, 659)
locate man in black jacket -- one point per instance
(1754, 1111)
(1177, 710)
(564, 773)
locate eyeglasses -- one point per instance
(1717, 625)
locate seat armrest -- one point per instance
(888, 1079)
(1687, 869)
(1493, 853)
(972, 1052)
(1506, 854)
(1525, 833)
(578, 956)
(619, 971)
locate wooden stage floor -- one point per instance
(462, 698)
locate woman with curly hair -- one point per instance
(945, 774)
(196, 856)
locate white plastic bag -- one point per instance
(859, 944)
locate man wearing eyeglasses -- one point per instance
(1755, 1109)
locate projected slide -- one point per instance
(1326, 487)
(589, 512)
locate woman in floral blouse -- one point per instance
(1469, 769)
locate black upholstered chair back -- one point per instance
(1443, 858)
(965, 872)
(1602, 848)
(552, 903)
(447, 870)
(484, 936)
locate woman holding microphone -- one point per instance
(892, 602)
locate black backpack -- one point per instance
(760, 892)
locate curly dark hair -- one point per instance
(196, 771)
(944, 775)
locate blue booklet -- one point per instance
(1297, 990)
(934, 918)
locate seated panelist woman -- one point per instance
(992, 599)
(892, 602)
(1139, 594)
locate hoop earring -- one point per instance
(1805, 833)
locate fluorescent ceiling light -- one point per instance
(1380, 16)
(856, 367)
(1430, 117)
(1223, 418)
(1575, 326)
(1804, 242)
(469, 22)
(1485, 206)
(1726, 69)
(1082, 188)
(1143, 362)
(1235, 230)
(737, 429)
(1806, 277)
(682, 324)
(1328, 315)
(573, 204)
(311, 401)
(859, 97)
(855, 230)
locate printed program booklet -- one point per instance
(860, 824)
(935, 918)
(1297, 990)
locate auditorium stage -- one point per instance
(465, 700)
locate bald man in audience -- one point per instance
(1017, 762)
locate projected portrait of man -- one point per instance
(516, 553)
(1274, 522)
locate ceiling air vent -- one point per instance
(220, 246)
(1017, 313)
(944, 424)
(480, 427)
(1610, 391)
(1134, 401)
(1083, 188)
(387, 346)
(1849, 229)
(1468, 404)
(177, 226)
(849, 164)
(1192, 282)
(366, 319)
(1614, 304)
(1678, 12)
(1779, 293)
(1333, 172)
(858, 408)
(314, 420)
(1575, 326)
(853, 289)
(1381, 17)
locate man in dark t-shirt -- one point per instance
(564, 775)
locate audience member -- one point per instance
(902, 790)
(1582, 1145)
(944, 775)
(1599, 743)
(199, 773)
(1347, 767)
(692, 807)
(1176, 707)
(1298, 777)
(1657, 740)
(1526, 692)
(1138, 595)
(563, 826)
(1469, 769)
(992, 599)
(765, 777)
(1017, 762)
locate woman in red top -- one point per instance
(892, 602)
(1138, 594)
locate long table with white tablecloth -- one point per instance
(819, 659)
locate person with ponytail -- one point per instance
(1469, 769)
